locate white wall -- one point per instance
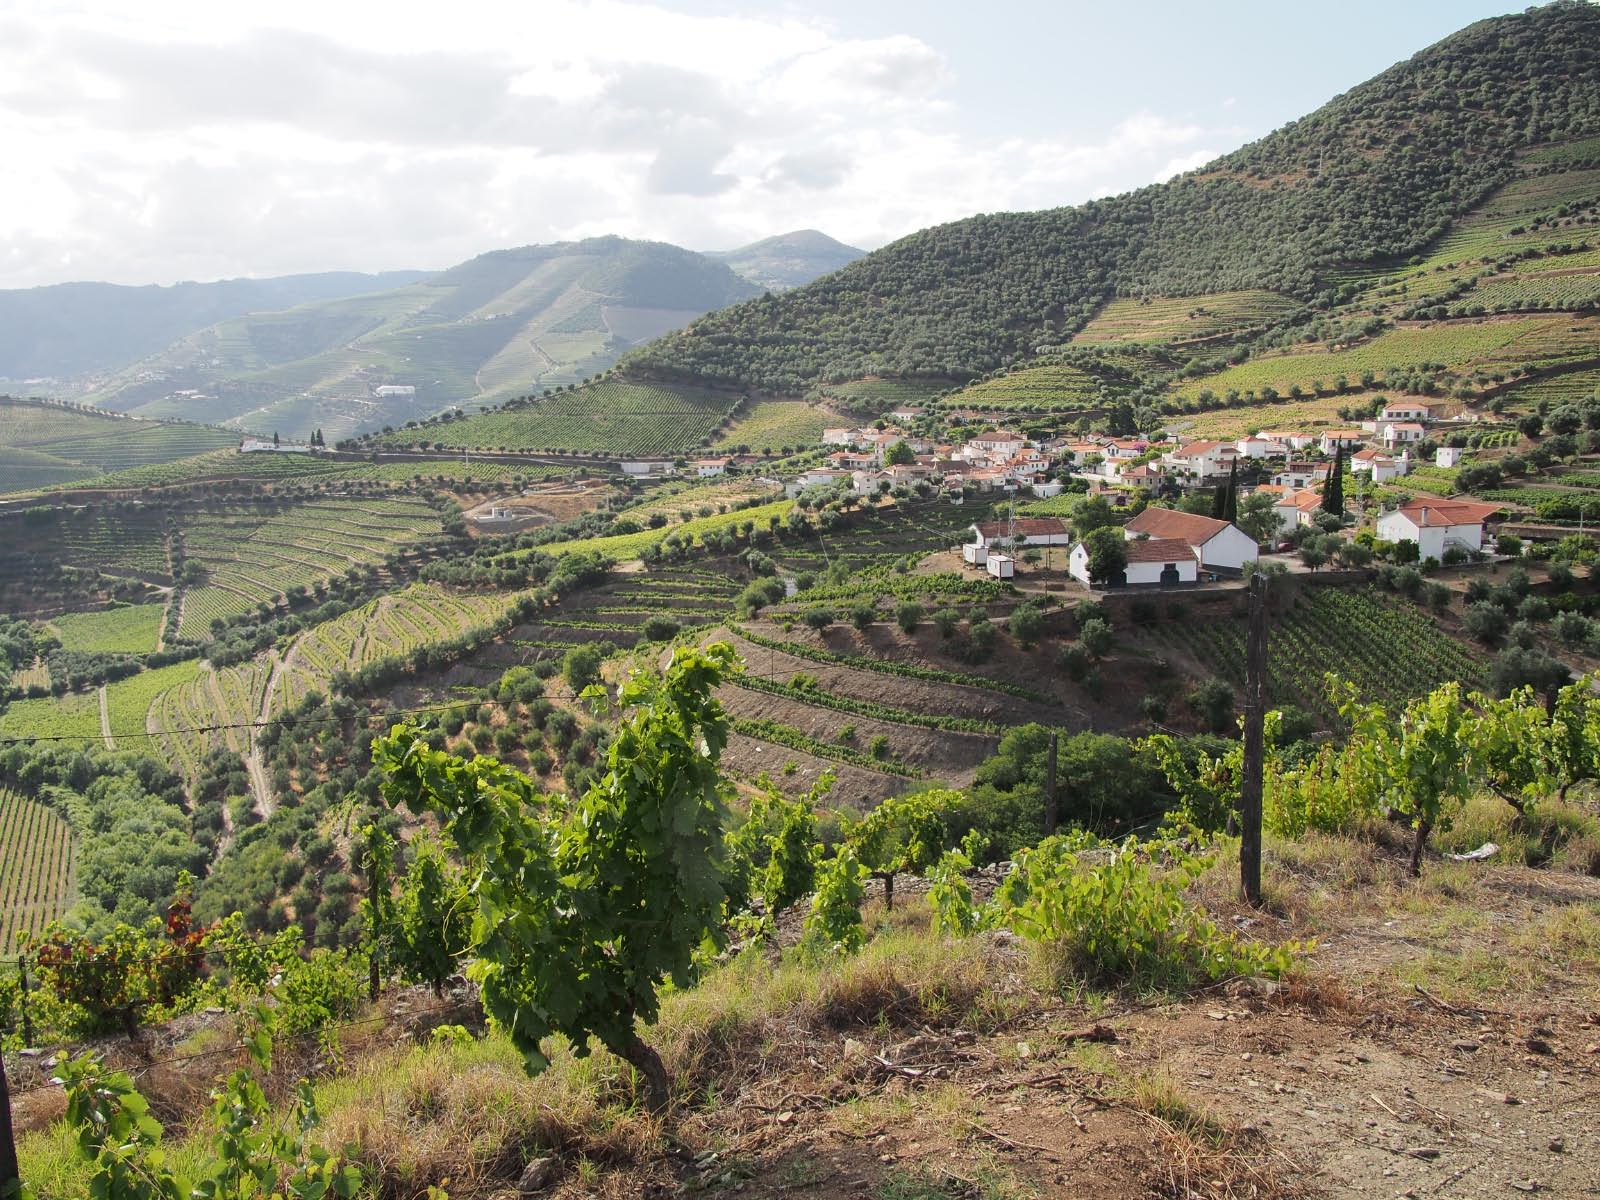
(1231, 547)
(1150, 572)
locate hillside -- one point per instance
(789, 260)
(73, 329)
(1372, 177)
(43, 443)
(500, 324)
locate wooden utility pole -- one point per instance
(1255, 712)
(1052, 810)
(10, 1175)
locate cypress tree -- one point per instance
(1333, 490)
(1230, 506)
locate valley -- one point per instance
(860, 643)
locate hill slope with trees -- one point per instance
(1370, 178)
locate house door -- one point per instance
(1169, 575)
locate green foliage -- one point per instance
(1119, 916)
(256, 1158)
(432, 916)
(585, 909)
(903, 834)
(1102, 784)
(833, 925)
(1108, 554)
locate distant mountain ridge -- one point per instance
(505, 323)
(788, 260)
(72, 329)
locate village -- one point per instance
(1196, 512)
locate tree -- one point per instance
(1026, 624)
(1091, 513)
(581, 666)
(1097, 636)
(899, 455)
(1313, 553)
(586, 908)
(1333, 490)
(908, 615)
(1108, 554)
(1256, 518)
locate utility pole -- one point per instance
(10, 1175)
(1255, 670)
(1052, 808)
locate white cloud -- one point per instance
(147, 143)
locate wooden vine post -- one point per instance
(10, 1174)
(1255, 670)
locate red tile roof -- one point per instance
(1162, 550)
(1427, 514)
(1170, 523)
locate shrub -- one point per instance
(1486, 621)
(863, 615)
(1026, 624)
(819, 618)
(946, 621)
(1097, 637)
(1212, 701)
(908, 615)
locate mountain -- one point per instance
(1373, 177)
(72, 329)
(506, 322)
(788, 260)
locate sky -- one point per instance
(191, 139)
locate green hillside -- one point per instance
(1372, 178)
(43, 444)
(788, 260)
(500, 325)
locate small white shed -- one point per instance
(1001, 566)
(975, 554)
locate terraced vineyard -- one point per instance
(1570, 387)
(1184, 319)
(774, 425)
(233, 696)
(72, 718)
(610, 417)
(391, 625)
(1054, 388)
(692, 498)
(23, 470)
(263, 467)
(129, 701)
(36, 868)
(1386, 646)
(882, 395)
(128, 630)
(252, 555)
(98, 442)
(624, 546)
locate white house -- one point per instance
(998, 443)
(395, 389)
(1297, 508)
(262, 446)
(1302, 475)
(1203, 460)
(1405, 410)
(1292, 438)
(1437, 525)
(707, 468)
(1448, 456)
(645, 469)
(822, 475)
(1260, 447)
(839, 437)
(1030, 531)
(1401, 433)
(906, 414)
(1341, 439)
(1158, 561)
(1217, 544)
(1380, 466)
